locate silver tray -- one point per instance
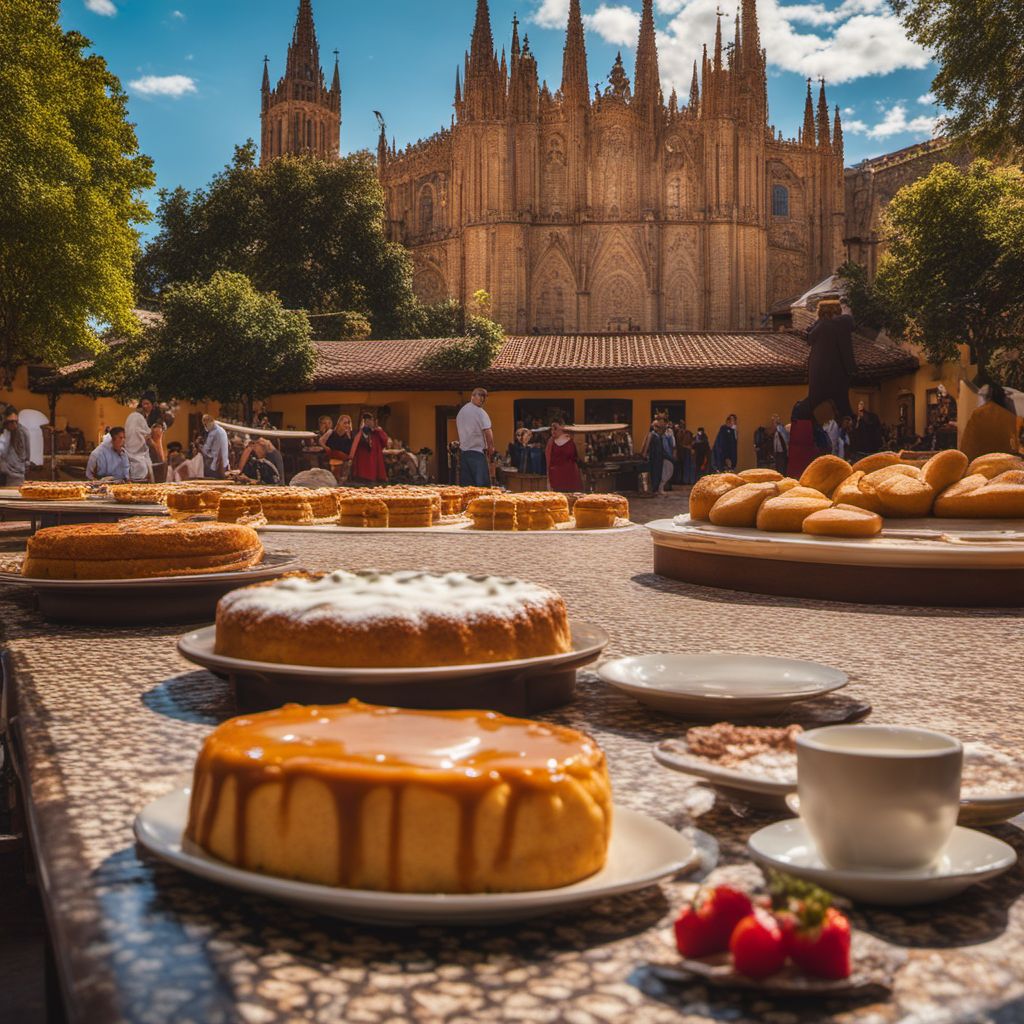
(522, 686)
(153, 600)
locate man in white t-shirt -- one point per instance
(476, 441)
(136, 440)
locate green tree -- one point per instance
(313, 231)
(980, 52)
(479, 345)
(71, 178)
(867, 305)
(954, 267)
(227, 342)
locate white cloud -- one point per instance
(843, 42)
(927, 100)
(849, 110)
(178, 15)
(894, 122)
(619, 26)
(104, 7)
(163, 85)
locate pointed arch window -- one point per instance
(426, 209)
(780, 201)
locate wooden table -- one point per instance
(58, 513)
(109, 719)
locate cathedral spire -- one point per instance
(807, 137)
(694, 91)
(265, 87)
(575, 84)
(336, 80)
(718, 43)
(304, 52)
(481, 49)
(837, 137)
(458, 87)
(823, 139)
(736, 55)
(647, 79)
(751, 34)
(515, 38)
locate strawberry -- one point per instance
(816, 935)
(757, 945)
(704, 927)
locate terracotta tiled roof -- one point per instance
(72, 371)
(599, 362)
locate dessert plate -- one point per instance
(719, 686)
(641, 852)
(970, 857)
(154, 599)
(520, 687)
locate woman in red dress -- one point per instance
(563, 459)
(368, 452)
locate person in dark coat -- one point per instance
(725, 454)
(831, 365)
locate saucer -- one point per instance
(969, 857)
(717, 686)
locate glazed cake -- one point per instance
(139, 548)
(371, 619)
(599, 511)
(46, 490)
(139, 494)
(493, 512)
(381, 798)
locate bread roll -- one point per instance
(708, 489)
(787, 483)
(974, 497)
(849, 492)
(878, 461)
(897, 469)
(826, 473)
(804, 492)
(950, 503)
(760, 476)
(1011, 476)
(739, 506)
(993, 464)
(843, 521)
(944, 469)
(900, 496)
(787, 512)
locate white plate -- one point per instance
(642, 851)
(719, 685)
(970, 857)
(917, 543)
(587, 643)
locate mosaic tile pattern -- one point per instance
(111, 718)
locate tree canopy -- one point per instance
(222, 341)
(980, 51)
(313, 231)
(71, 178)
(954, 265)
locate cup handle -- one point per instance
(793, 803)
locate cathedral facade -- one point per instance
(614, 211)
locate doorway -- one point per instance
(445, 433)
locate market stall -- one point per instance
(607, 460)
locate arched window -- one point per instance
(780, 201)
(426, 209)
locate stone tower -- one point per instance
(604, 208)
(301, 115)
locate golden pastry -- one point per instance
(849, 492)
(739, 506)
(708, 489)
(975, 497)
(786, 512)
(58, 490)
(495, 511)
(877, 461)
(843, 521)
(825, 473)
(787, 483)
(993, 464)
(900, 496)
(898, 469)
(1011, 476)
(390, 799)
(760, 476)
(944, 468)
(599, 511)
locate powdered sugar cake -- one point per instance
(371, 619)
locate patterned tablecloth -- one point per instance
(108, 720)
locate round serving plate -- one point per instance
(928, 562)
(719, 686)
(154, 600)
(464, 527)
(523, 686)
(641, 852)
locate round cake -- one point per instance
(59, 490)
(407, 619)
(138, 548)
(383, 798)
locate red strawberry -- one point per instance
(757, 945)
(704, 927)
(819, 943)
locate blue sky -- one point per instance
(192, 68)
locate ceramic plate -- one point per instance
(970, 857)
(719, 686)
(641, 852)
(587, 643)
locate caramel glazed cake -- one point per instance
(371, 619)
(139, 548)
(405, 801)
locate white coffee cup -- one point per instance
(878, 796)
